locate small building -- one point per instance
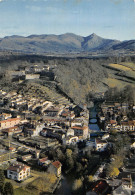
(100, 145)
(44, 161)
(12, 130)
(70, 140)
(26, 157)
(99, 187)
(81, 131)
(70, 132)
(51, 111)
(128, 125)
(105, 136)
(5, 116)
(77, 122)
(4, 124)
(110, 124)
(18, 172)
(12, 149)
(32, 76)
(132, 145)
(55, 168)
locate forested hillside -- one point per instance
(78, 78)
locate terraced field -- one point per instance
(120, 75)
(39, 91)
(120, 67)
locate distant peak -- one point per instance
(93, 34)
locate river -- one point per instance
(93, 120)
(65, 187)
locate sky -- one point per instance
(114, 19)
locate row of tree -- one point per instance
(121, 145)
(6, 188)
(127, 94)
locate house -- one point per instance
(4, 124)
(70, 132)
(77, 122)
(5, 116)
(18, 172)
(12, 149)
(110, 124)
(32, 76)
(51, 111)
(128, 125)
(53, 121)
(68, 114)
(100, 145)
(70, 140)
(55, 168)
(105, 136)
(81, 131)
(44, 161)
(12, 130)
(132, 145)
(56, 133)
(99, 187)
(26, 157)
(35, 131)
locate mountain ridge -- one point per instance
(64, 43)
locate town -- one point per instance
(44, 138)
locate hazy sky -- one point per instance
(107, 18)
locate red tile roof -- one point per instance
(18, 168)
(128, 123)
(113, 122)
(100, 186)
(43, 159)
(56, 164)
(80, 128)
(10, 120)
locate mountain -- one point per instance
(64, 43)
(94, 43)
(125, 45)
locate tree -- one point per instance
(69, 159)
(90, 178)
(77, 186)
(60, 155)
(70, 163)
(79, 167)
(2, 179)
(8, 189)
(68, 153)
(88, 181)
(112, 171)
